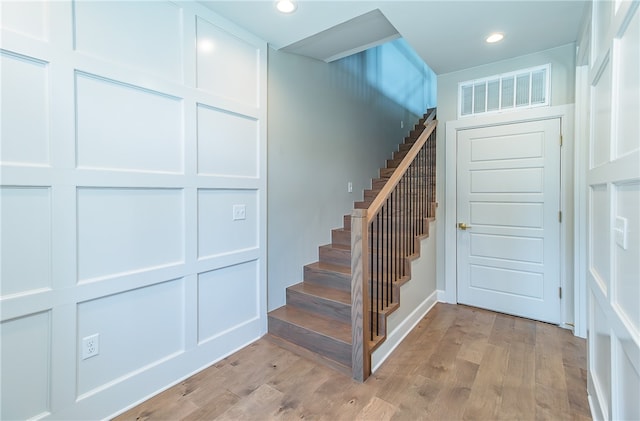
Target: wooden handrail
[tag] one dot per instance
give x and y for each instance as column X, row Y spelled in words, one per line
column 395, row 178
column 364, row 339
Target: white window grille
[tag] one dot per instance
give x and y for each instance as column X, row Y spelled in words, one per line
column 526, row 88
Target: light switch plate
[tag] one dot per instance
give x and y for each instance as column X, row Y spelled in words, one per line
column 239, row 212
column 620, row 232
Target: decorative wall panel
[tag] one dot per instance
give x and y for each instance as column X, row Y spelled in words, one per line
column 227, row 65
column 601, row 131
column 628, row 385
column 227, row 298
column 128, row 230
column 227, row 143
column 137, row 329
column 123, row 127
column 601, row 355
column 627, row 98
column 26, row 387
column 25, row 239
column 24, row 110
column 218, row 231
column 626, row 252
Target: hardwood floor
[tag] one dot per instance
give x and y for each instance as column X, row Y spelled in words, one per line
column 458, row 363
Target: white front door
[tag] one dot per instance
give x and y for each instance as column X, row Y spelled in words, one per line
column 508, row 202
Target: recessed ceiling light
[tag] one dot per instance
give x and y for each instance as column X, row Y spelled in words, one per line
column 495, row 37
column 286, row 6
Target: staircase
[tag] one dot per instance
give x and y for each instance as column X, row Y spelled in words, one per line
column 316, row 321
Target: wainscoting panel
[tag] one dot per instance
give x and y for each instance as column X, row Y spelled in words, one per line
column 25, row 239
column 227, row 143
column 220, row 231
column 26, row 388
column 125, row 230
column 626, row 287
column 227, row 65
column 123, row 127
column 227, row 298
column 25, row 86
column 599, row 235
column 150, row 329
column 627, row 63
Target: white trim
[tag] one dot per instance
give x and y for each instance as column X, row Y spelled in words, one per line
column 581, row 158
column 395, row 338
column 566, row 115
column 441, row 296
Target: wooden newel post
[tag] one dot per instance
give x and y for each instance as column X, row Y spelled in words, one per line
column 360, row 358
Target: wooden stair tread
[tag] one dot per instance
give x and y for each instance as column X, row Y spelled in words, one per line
column 326, row 293
column 316, row 323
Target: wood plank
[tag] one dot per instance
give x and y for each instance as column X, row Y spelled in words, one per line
column 518, row 393
column 486, row 392
column 377, row 409
column 451, row 402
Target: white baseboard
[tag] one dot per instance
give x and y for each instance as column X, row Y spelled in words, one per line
column 395, row 338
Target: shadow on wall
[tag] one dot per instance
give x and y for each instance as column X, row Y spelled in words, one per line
column 392, row 71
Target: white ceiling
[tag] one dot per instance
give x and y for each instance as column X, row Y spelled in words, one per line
column 448, row 34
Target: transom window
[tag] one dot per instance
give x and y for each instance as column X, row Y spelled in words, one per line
column 525, row 88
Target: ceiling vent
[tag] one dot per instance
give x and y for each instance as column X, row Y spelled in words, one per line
column 525, row 88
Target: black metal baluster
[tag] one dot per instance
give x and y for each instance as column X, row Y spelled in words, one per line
column 377, row 274
column 371, row 275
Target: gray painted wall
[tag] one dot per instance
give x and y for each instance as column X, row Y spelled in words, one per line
column 328, row 124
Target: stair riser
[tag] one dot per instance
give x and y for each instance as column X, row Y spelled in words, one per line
column 346, row 222
column 338, row 311
column 335, row 256
column 400, row 154
column 341, row 237
column 327, row 278
column 386, row 172
column 325, row 346
column 383, row 294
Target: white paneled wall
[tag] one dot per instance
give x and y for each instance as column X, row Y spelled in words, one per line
column 132, row 200
column 612, row 181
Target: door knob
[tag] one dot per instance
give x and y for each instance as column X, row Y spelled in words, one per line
column 463, row 226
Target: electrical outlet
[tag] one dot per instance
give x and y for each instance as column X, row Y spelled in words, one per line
column 90, row 346
column 239, row 212
column 349, row 187
column 402, row 124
